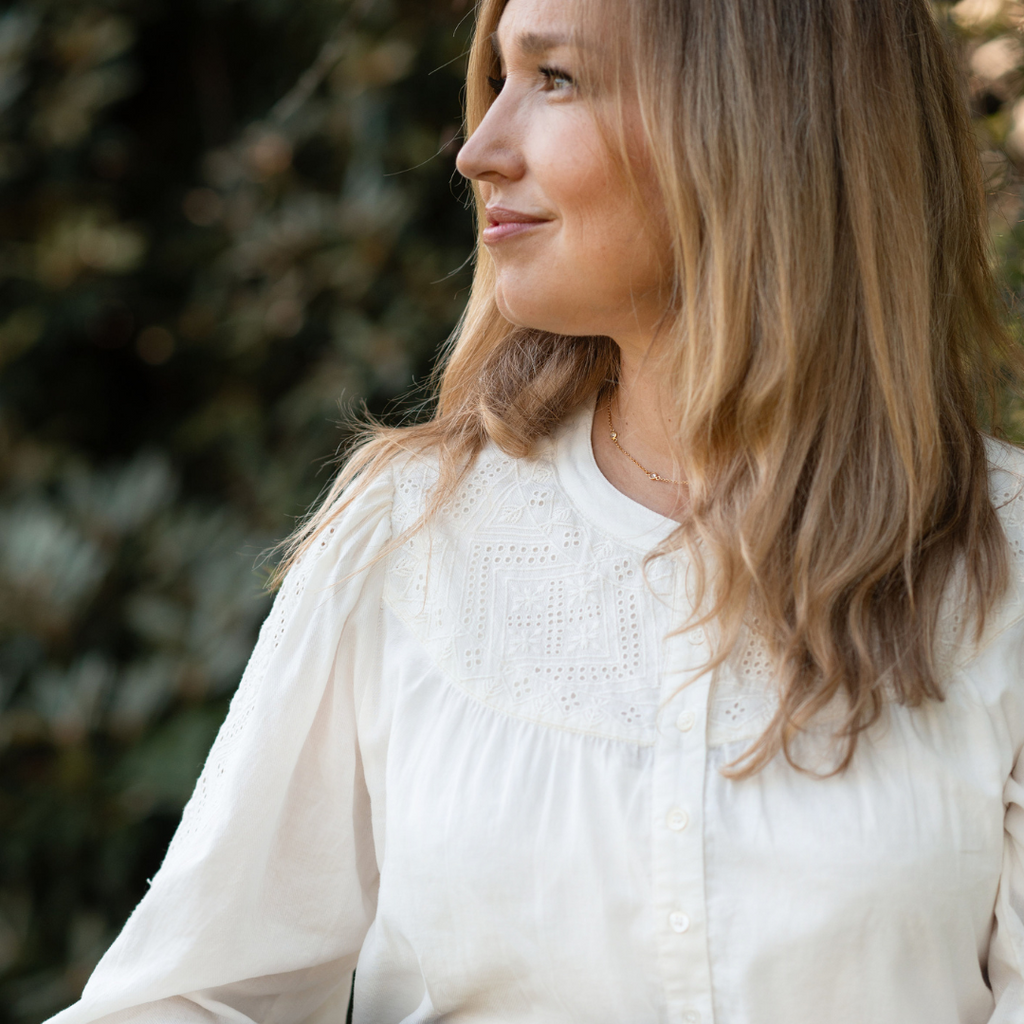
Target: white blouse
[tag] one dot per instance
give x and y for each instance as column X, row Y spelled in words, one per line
column 472, row 771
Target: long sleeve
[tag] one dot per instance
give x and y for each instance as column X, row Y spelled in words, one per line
column 269, row 885
column 1006, row 953
column 1006, row 948
column 489, row 768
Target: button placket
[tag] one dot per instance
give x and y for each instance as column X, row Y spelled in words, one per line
column 678, row 798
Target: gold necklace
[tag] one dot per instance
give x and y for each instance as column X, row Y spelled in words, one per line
column 615, row 440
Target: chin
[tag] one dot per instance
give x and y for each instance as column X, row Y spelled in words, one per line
column 531, row 314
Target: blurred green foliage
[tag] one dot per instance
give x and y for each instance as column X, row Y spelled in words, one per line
column 217, row 218
column 988, row 34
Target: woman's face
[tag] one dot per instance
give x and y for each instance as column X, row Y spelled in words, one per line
column 571, row 248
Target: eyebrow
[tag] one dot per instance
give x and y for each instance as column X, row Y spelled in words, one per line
column 531, row 43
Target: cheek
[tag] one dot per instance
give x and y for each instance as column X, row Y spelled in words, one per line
column 602, row 231
column 580, row 184
column 587, row 273
column 561, row 281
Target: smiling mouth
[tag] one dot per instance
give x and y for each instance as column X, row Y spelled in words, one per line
column 503, row 224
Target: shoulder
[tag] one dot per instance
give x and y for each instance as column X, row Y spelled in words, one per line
column 991, row 662
column 1006, row 489
column 348, row 536
column 490, row 480
column 1005, row 460
column 1006, row 486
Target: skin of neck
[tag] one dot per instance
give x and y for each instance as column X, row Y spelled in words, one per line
column 639, row 423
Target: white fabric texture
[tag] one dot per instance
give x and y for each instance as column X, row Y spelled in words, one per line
column 470, row 768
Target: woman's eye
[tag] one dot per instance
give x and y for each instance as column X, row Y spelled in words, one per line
column 496, row 84
column 558, row 80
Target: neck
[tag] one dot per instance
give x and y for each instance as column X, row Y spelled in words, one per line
column 637, row 414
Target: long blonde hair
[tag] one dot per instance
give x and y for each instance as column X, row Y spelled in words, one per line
column 832, row 331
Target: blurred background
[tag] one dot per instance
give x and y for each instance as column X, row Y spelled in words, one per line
column 218, row 219
column 222, row 222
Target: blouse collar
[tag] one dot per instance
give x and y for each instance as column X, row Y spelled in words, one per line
column 595, row 498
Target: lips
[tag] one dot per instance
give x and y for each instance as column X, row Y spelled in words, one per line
column 504, row 223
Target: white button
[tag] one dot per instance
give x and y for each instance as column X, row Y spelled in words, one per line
column 684, row 723
column 677, row 819
column 696, row 637
column 691, row 1017
column 679, row 921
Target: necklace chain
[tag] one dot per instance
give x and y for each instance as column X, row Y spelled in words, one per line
column 613, row 433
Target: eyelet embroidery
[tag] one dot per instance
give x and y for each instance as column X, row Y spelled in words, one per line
column 569, row 650
column 743, row 699
column 1008, row 498
column 522, row 607
column 532, row 611
column 207, row 801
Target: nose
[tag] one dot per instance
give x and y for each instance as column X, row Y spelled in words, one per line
column 493, row 153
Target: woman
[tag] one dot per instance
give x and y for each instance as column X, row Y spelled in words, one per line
column 672, row 671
